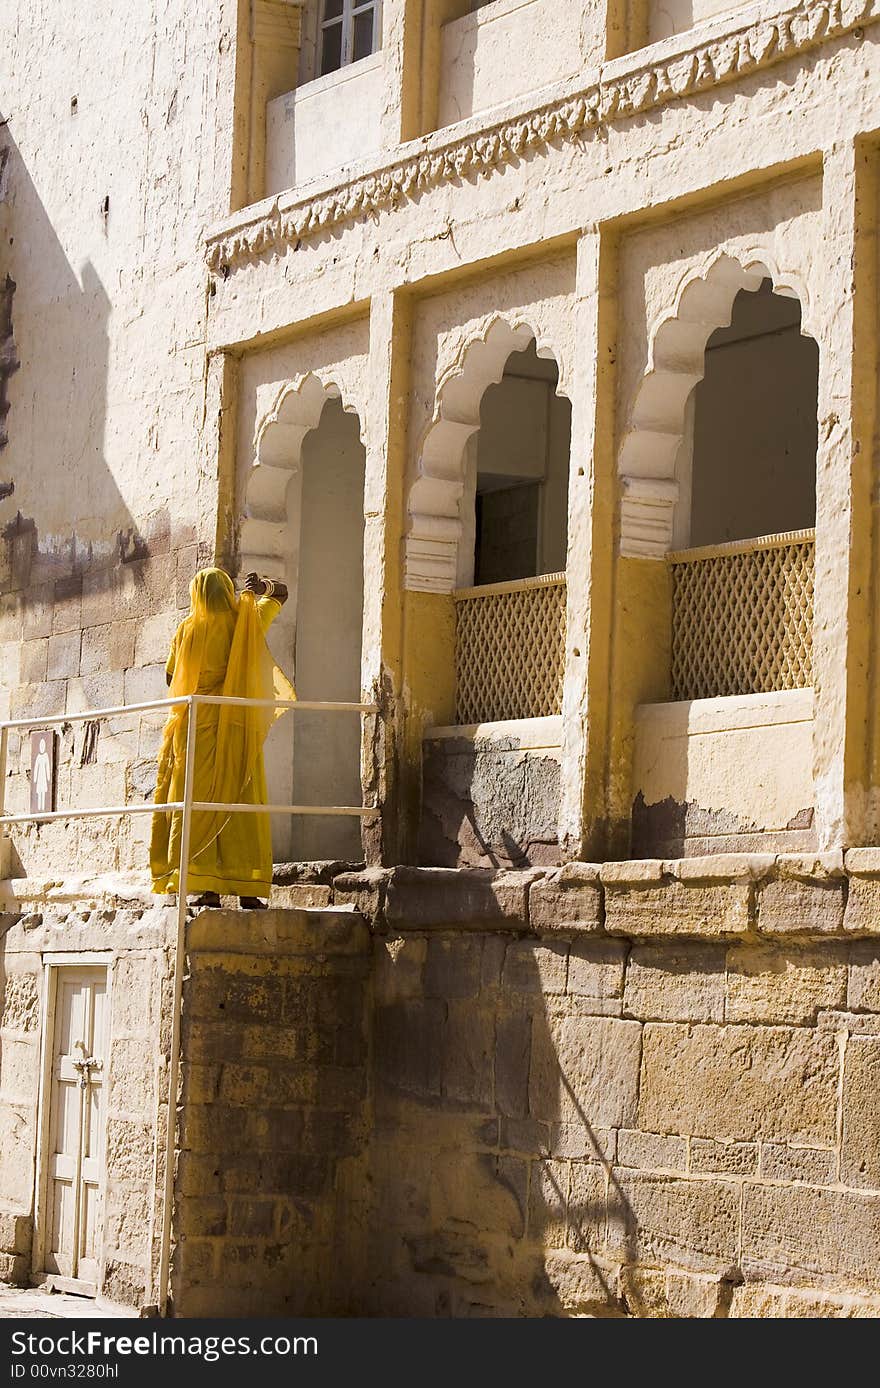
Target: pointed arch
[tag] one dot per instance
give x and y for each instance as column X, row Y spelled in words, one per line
column 676, row 362
column 264, row 539
column 433, row 525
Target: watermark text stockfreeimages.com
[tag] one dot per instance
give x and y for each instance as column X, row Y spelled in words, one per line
column 101, row 1344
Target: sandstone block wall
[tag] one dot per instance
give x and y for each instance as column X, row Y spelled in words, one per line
column 97, row 639
column 654, row 1095
column 133, row 941
column 641, row 1089
column 271, row 1180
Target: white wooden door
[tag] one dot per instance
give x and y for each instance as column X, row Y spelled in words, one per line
column 75, row 1167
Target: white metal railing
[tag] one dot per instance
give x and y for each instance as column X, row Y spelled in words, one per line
column 510, row 649
column 742, row 616
column 185, row 807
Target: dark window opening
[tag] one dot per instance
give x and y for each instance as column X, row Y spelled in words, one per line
column 349, row 32
column 755, row 430
column 520, row 486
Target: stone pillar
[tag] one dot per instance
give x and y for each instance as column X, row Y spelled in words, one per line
column 217, row 509
column 268, row 67
column 385, row 429
column 842, row 637
column 415, row 61
column 592, row 494
column 272, row 1149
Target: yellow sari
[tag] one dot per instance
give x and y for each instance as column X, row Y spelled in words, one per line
column 220, row 648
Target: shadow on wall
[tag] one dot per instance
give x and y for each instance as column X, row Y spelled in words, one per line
column 61, row 510
column 488, row 804
column 78, row 574
column 329, row 622
column 496, row 1096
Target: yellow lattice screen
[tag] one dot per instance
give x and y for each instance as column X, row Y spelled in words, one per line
column 742, row 617
column 510, row 649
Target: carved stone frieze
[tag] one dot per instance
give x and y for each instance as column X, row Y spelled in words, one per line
column 646, row 86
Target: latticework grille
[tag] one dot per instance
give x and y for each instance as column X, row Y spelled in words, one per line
column 510, row 649
column 742, row 617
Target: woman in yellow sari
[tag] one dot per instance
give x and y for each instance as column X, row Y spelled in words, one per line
column 220, row 648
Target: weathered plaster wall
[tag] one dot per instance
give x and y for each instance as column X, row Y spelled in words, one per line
column 112, row 168
column 491, row 794
column 689, row 791
column 42, row 924
column 323, row 125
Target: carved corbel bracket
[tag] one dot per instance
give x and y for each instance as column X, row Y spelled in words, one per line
column 646, row 512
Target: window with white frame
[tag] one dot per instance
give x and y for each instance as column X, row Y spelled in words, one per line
column 349, row 32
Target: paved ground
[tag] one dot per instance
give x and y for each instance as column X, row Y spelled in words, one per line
column 33, row 1304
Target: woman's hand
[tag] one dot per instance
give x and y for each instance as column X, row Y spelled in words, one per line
column 253, row 583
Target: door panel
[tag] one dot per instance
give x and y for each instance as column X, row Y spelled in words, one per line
column 75, row 1175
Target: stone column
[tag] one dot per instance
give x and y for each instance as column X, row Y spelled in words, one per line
column 385, row 430
column 398, row 23
column 275, row 27
column 216, row 501
column 842, row 640
column 423, row 21
column 582, row 821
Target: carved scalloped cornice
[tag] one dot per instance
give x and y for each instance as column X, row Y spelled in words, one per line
column 646, row 86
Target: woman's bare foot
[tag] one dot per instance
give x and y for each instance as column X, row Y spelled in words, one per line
column 251, row 903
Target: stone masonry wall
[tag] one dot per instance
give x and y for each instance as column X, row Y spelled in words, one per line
column 94, row 639
column 271, row 1180
column 134, row 940
column 645, row 1089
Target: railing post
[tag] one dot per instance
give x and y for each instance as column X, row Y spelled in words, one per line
column 4, row 836
column 179, row 956
column 4, row 749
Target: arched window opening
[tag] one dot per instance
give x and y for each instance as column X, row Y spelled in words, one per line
column 742, row 592
column 510, row 604
column 754, row 424
column 516, row 477
column 314, row 756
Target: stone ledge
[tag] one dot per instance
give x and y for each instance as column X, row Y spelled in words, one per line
column 635, row 872
column 807, row 867
column 338, row 930
column 431, row 898
column 862, row 862
column 793, row 896
column 701, row 910
column 568, row 901
column 62, row 927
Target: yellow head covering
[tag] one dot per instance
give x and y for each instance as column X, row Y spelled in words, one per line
column 251, row 673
